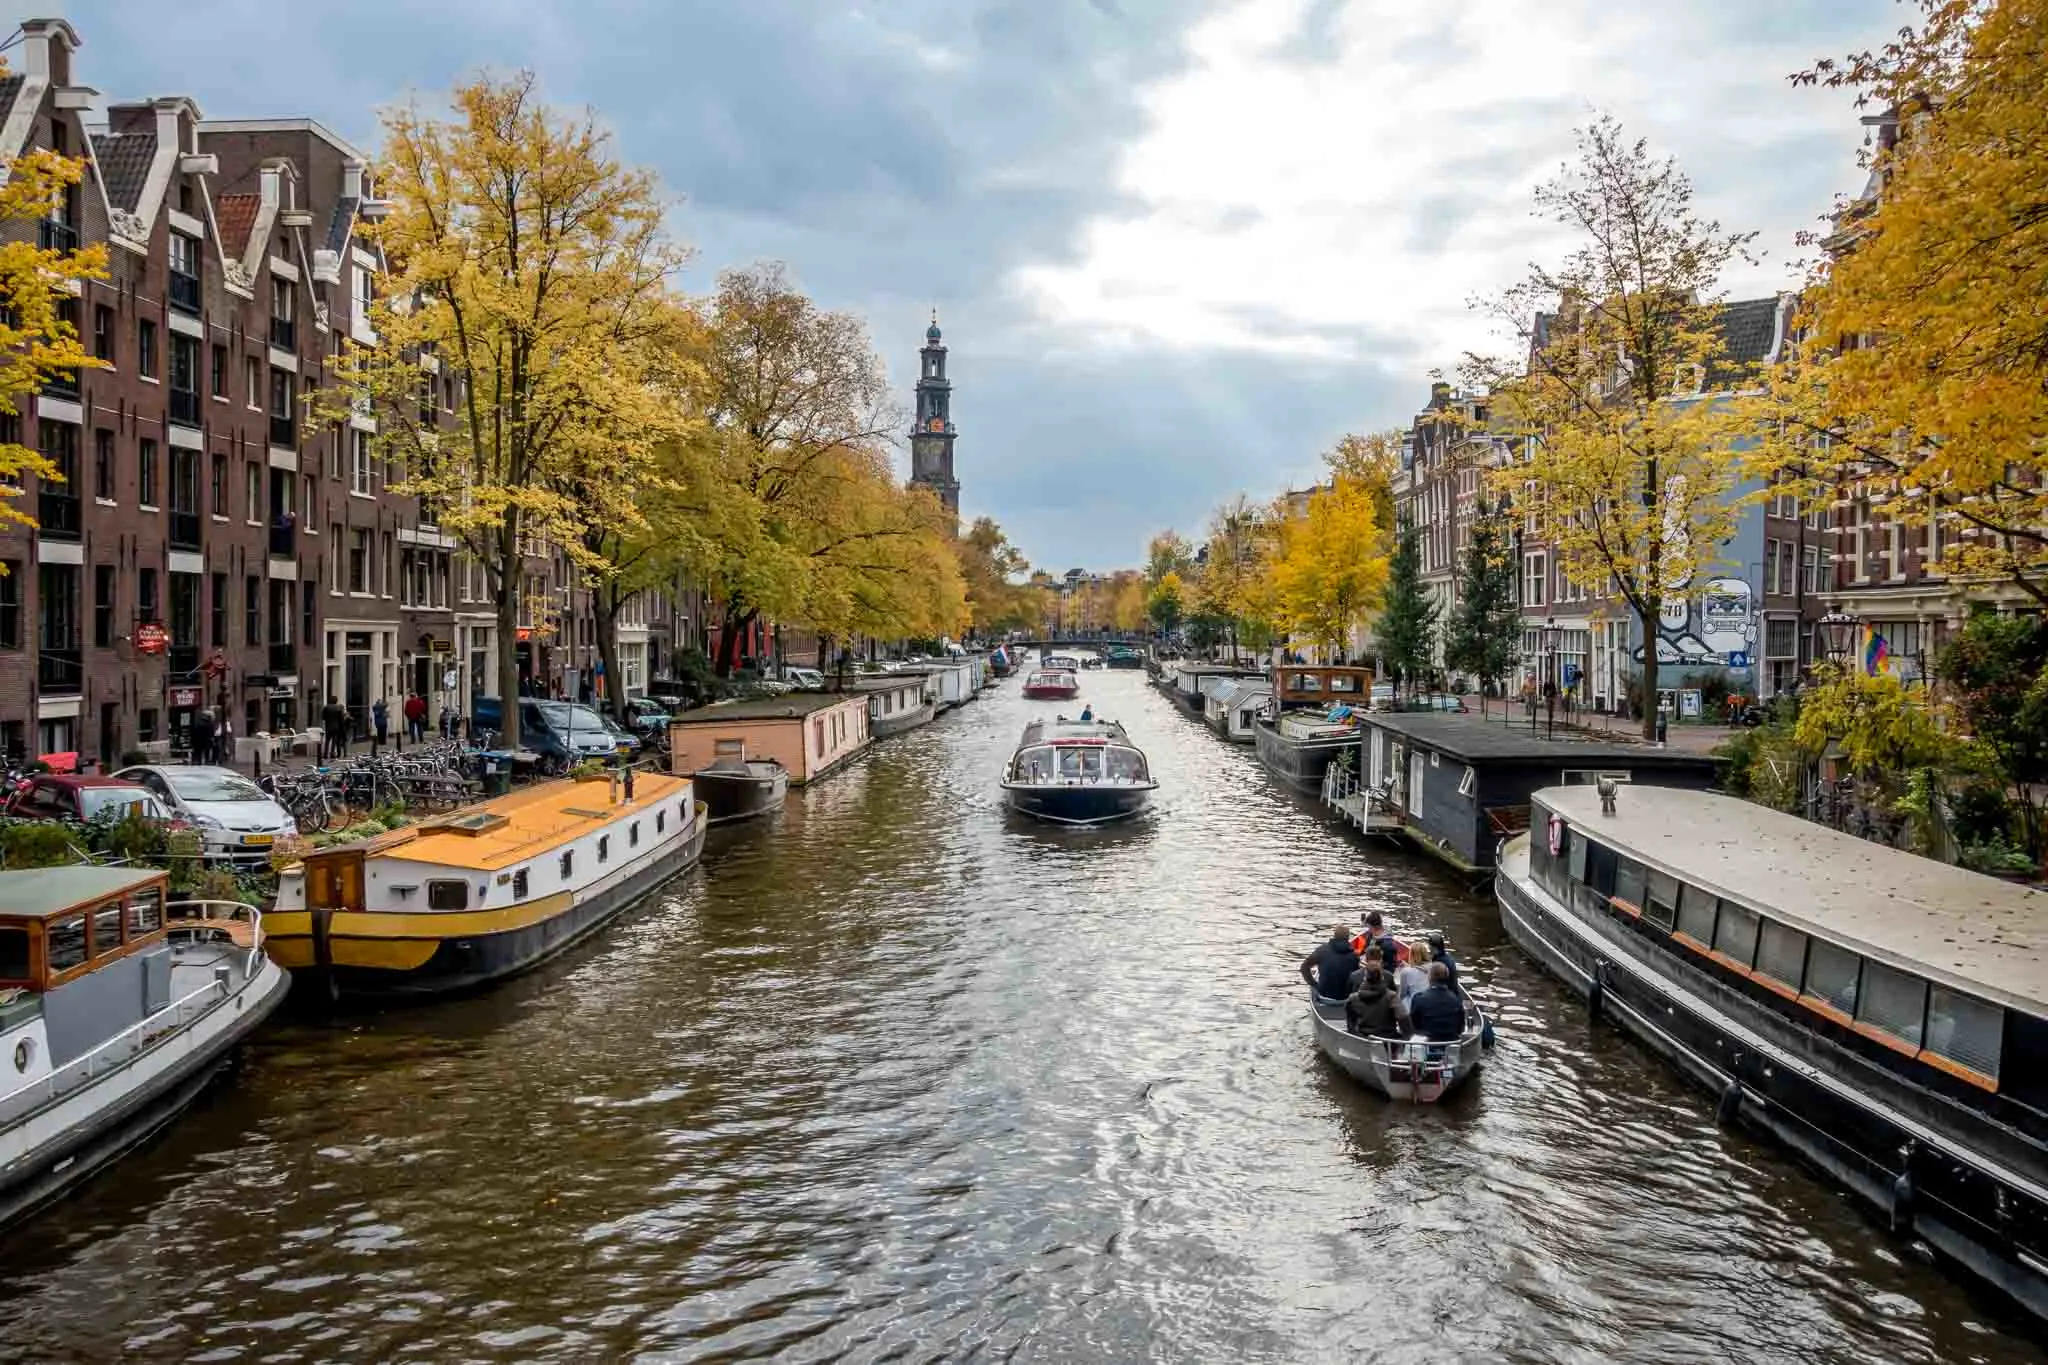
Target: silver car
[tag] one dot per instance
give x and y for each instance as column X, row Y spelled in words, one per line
column 234, row 817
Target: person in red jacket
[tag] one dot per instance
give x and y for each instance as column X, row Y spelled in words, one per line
column 415, row 716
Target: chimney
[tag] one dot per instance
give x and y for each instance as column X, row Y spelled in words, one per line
column 352, row 180
column 46, row 48
column 271, row 196
column 1439, row 394
column 167, row 133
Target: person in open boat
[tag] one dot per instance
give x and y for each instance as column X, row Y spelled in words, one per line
column 1329, row 968
column 1370, row 1010
column 1411, row 980
column 1438, row 1013
column 1439, row 953
column 1391, row 949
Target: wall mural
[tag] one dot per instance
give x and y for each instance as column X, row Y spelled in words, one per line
column 1715, row 629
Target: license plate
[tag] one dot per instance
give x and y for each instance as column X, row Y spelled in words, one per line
column 258, row 840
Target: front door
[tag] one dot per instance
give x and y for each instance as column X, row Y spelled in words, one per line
column 356, row 691
column 1415, row 769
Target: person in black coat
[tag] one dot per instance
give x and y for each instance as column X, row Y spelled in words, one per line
column 1439, row 953
column 1370, row 1010
column 1328, row 969
column 1437, row 1013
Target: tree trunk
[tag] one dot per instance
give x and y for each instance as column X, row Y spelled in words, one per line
column 730, row 627
column 605, row 605
column 1648, row 619
column 511, row 585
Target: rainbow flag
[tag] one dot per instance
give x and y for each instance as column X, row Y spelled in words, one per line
column 1876, row 652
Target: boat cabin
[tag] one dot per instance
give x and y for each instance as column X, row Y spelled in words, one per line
column 1234, row 706
column 948, row 682
column 1457, row 784
column 810, row 734
column 1933, row 973
column 896, row 702
column 1063, row 751
column 1299, row 685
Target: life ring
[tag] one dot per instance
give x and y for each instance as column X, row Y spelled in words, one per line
column 24, row 1053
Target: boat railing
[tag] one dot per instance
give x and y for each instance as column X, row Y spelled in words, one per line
column 116, row 1051
column 237, row 921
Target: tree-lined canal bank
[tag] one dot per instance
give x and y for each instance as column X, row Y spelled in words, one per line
column 899, row 1074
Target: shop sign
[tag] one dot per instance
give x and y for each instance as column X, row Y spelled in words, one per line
column 152, row 638
column 184, row 696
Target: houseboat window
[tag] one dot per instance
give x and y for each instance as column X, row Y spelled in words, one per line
column 1964, row 1029
column 106, row 929
column 519, row 884
column 660, row 821
column 633, row 835
column 1781, row 954
column 1660, row 903
column 1893, row 1003
column 447, row 895
column 1831, row 976
column 1343, row 682
column 1601, row 865
column 1735, row 934
column 13, row 954
column 1575, row 850
column 2026, row 1042
column 604, row 848
column 1628, row 882
column 145, row 912
column 568, row 863
column 66, row 940
column 1696, row 914
column 1469, row 781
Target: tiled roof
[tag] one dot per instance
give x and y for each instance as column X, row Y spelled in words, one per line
column 10, row 86
column 234, row 215
column 338, row 226
column 1748, row 327
column 124, row 160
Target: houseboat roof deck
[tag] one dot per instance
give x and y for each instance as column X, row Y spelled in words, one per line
column 1976, row 933
column 534, row 820
column 1471, row 737
column 44, row 892
column 788, row 706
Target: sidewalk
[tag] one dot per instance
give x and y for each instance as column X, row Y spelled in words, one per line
column 1692, row 737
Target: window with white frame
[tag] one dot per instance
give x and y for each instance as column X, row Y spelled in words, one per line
column 1535, row 575
column 1813, row 569
column 359, row 462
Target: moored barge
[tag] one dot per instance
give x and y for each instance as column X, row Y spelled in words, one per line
column 1883, row 1015
column 485, row 893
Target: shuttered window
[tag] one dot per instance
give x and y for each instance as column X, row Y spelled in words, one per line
column 1965, row 1030
column 1735, row 934
column 1661, row 908
column 1781, row 954
column 1696, row 914
column 1628, row 882
column 1831, row 975
column 1893, row 1003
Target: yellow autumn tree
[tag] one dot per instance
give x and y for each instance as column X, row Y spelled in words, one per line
column 530, row 267
column 39, row 338
column 990, row 567
column 1330, row 570
column 1923, row 384
column 1632, row 481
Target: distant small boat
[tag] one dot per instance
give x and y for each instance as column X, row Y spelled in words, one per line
column 1412, row 1069
column 1069, row 662
column 1052, row 684
column 1123, row 656
column 1077, row 772
column 735, row 787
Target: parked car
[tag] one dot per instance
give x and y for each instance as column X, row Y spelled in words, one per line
column 645, row 717
column 236, row 819
column 804, row 679
column 54, row 797
column 562, row 731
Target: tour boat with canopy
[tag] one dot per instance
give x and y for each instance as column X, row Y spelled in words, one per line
column 1052, row 684
column 1078, row 772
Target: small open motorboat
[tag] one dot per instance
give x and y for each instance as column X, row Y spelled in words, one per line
column 1066, row 663
column 1077, row 772
column 1412, row 1069
column 1052, row 684
column 735, row 787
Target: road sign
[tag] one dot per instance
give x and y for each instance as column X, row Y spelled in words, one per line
column 1738, row 659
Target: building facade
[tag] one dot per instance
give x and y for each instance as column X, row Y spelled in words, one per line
column 931, row 441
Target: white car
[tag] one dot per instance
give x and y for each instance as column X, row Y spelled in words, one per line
column 804, row 679
column 233, row 815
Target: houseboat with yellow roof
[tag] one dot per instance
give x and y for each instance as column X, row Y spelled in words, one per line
column 485, row 893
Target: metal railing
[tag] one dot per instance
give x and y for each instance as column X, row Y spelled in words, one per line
column 284, row 432
column 184, row 530
column 58, row 516
column 284, row 539
column 283, row 333
column 52, row 235
column 184, row 292
column 202, row 917
column 185, row 407
column 60, row 670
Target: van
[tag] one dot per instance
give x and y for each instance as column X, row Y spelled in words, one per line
column 564, row 730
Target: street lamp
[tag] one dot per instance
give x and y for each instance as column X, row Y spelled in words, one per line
column 1550, row 634
column 1837, row 632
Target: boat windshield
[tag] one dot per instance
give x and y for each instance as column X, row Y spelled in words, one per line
column 1080, row 765
column 1035, row 765
column 1126, row 765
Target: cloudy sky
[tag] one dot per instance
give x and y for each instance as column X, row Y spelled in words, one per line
column 1177, row 246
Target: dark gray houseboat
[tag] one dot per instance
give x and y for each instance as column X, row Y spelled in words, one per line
column 1458, row 784
column 1883, row 1015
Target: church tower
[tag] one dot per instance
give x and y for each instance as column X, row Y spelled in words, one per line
column 931, row 442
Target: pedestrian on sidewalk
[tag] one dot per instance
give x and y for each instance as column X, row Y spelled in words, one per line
column 202, row 736
column 333, row 731
column 416, row 717
column 380, row 722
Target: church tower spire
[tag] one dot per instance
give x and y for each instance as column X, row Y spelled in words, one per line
column 931, row 441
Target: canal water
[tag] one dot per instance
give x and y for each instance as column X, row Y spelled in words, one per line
column 896, row 1077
